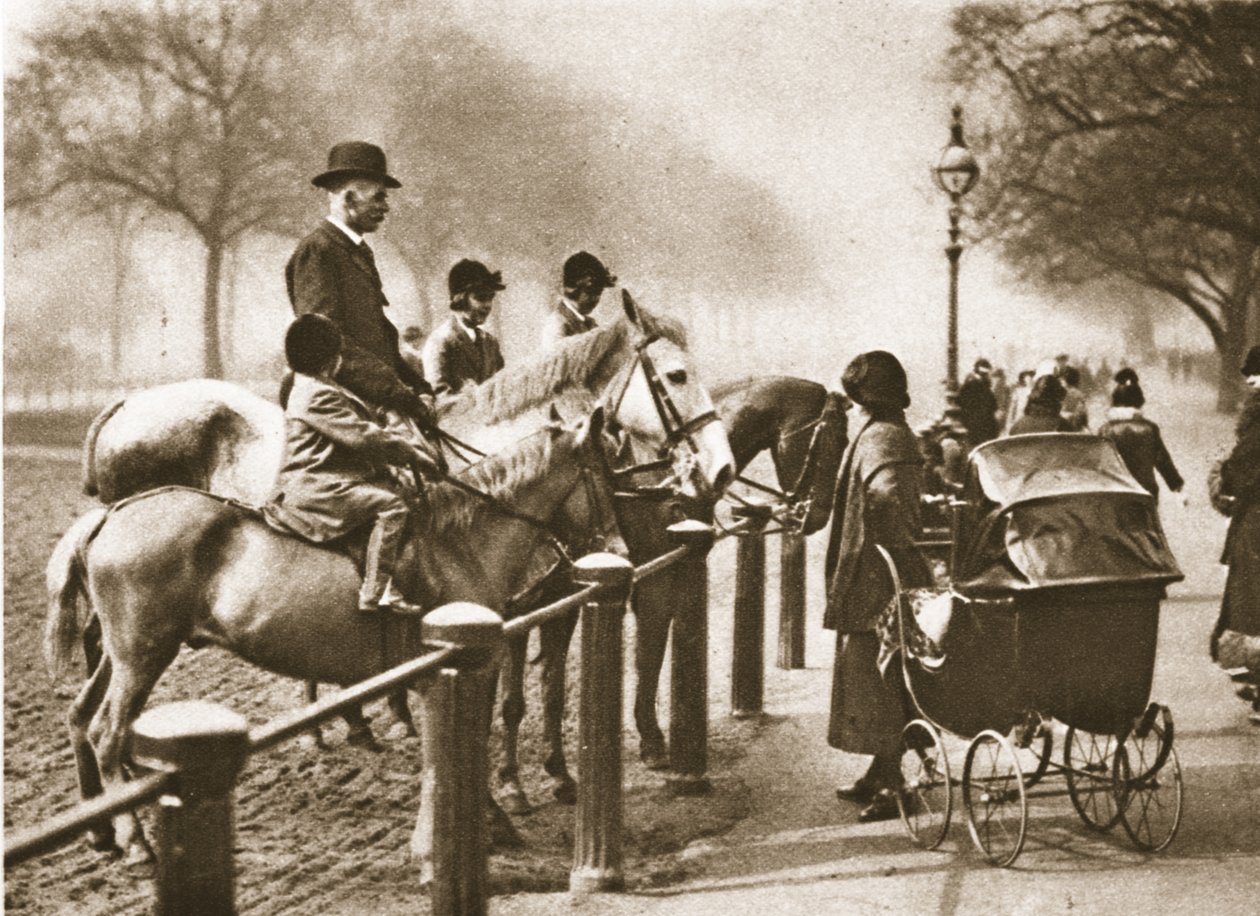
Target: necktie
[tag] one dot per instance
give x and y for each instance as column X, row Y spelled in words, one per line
column 366, row 250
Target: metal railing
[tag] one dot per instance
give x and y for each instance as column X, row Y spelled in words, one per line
column 197, row 749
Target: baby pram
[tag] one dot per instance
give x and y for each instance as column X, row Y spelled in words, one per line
column 1057, row 568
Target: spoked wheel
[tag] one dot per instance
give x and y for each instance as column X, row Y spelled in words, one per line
column 1149, row 773
column 926, row 803
column 1034, row 743
column 993, row 793
column 1150, row 741
column 1091, row 782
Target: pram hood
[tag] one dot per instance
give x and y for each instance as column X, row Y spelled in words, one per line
column 1054, row 510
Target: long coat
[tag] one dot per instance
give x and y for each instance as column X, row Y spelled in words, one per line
column 453, row 359
column 561, row 322
column 876, row 502
column 1240, row 478
column 334, row 479
column 330, row 275
column 978, row 406
column 1140, row 444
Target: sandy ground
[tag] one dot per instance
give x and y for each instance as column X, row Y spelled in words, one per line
column 326, row 831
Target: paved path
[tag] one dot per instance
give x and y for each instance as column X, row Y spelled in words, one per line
column 803, row 852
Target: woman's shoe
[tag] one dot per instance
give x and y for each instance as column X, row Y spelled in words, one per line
column 862, row 792
column 883, row 807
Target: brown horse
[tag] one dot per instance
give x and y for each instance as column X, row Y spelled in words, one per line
column 177, row 565
column 803, row 427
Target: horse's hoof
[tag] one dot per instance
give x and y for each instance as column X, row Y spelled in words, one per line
column 513, row 800
column 138, row 854
column 400, row 731
column 363, row 738
column 503, row 834
column 564, row 790
column 654, row 755
column 102, row 841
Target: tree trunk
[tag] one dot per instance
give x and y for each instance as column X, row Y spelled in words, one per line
column 212, row 366
column 1231, row 347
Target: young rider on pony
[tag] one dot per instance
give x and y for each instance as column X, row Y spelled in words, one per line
column 335, row 477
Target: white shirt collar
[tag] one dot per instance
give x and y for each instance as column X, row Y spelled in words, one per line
column 567, row 303
column 471, row 332
column 350, row 233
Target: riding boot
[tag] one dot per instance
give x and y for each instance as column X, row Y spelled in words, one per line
column 378, row 567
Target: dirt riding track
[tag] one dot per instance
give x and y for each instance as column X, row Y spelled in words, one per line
column 317, row 831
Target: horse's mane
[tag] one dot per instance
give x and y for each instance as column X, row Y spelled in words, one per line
column 452, row 510
column 571, row 363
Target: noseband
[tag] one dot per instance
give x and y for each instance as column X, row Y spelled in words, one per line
column 677, row 430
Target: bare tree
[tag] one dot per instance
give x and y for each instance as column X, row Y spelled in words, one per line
column 190, row 109
column 1122, row 139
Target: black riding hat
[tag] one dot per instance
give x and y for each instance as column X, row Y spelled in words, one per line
column 585, row 266
column 311, row 343
column 468, row 276
column 355, row 159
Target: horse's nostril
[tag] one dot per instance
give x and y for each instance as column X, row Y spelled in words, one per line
column 724, row 478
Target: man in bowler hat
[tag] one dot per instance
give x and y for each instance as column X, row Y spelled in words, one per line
column 333, row 273
column 460, row 351
column 584, row 278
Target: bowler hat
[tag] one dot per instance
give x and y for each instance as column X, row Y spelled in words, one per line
column 984, row 364
column 585, row 266
column 355, row 159
column 877, row 380
column 1251, row 365
column 311, row 343
column 1126, row 376
column 468, row 275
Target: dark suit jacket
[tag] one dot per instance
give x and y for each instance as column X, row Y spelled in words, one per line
column 452, row 359
column 328, row 274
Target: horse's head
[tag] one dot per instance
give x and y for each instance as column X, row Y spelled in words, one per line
column 665, row 415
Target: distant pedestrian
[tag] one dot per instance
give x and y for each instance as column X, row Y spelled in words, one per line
column 1042, row 414
column 1074, row 410
column 410, row 348
column 1018, row 398
column 1236, row 637
column 977, row 404
column 1136, row 438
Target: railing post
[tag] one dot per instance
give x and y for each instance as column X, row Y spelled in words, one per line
column 206, row 744
column 749, row 626
column 791, row 601
column 689, row 664
column 450, row 840
column 597, row 860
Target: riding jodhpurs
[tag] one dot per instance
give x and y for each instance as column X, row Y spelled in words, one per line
column 382, row 553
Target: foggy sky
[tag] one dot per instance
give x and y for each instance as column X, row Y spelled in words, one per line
column 833, row 106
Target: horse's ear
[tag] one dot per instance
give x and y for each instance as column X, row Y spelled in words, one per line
column 596, row 422
column 631, row 310
column 554, row 414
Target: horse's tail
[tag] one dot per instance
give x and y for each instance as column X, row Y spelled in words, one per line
column 90, row 486
column 66, row 584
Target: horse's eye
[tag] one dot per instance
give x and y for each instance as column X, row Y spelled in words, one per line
column 677, row 376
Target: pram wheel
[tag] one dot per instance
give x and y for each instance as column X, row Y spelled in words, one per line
column 927, row 802
column 1151, row 789
column 993, row 793
column 1089, row 762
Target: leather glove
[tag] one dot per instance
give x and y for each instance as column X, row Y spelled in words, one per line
column 415, row 406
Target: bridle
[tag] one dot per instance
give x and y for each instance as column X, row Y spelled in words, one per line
column 677, row 429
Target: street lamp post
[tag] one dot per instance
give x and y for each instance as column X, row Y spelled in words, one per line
column 956, row 174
